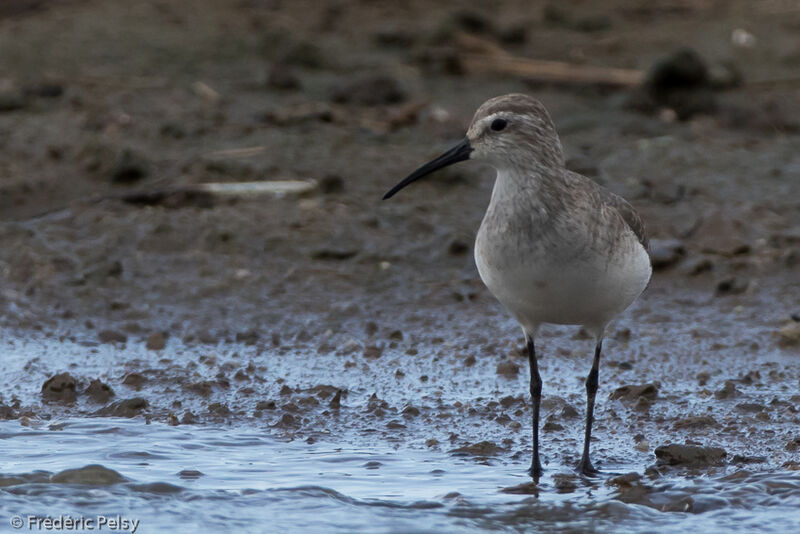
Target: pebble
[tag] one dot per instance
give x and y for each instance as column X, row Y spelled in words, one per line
column 60, row 387
column 482, row 448
column 156, row 341
column 377, row 90
column 693, row 455
column 12, row 101
column 125, row 408
column 665, row 253
column 698, row 421
column 731, row 286
column 99, row 392
column 727, row 391
column 128, row 168
column 90, row 475
column 111, row 336
column 789, row 334
column 507, row 369
column 281, row 76
column 633, row 392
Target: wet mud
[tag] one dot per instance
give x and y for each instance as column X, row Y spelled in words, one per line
column 352, row 337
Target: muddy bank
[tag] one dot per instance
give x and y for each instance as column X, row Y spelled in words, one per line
column 327, row 316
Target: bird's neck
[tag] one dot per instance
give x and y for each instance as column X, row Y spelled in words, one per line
column 535, row 188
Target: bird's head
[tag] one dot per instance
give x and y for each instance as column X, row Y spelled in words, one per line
column 507, row 131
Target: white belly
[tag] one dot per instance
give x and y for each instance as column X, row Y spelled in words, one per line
column 560, row 287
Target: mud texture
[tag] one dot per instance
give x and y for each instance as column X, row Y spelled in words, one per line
column 334, row 316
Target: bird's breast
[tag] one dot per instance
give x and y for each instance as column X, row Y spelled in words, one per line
column 546, row 274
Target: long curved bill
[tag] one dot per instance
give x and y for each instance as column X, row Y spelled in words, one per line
column 460, row 152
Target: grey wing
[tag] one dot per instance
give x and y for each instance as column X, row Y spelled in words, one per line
column 629, row 215
column 618, row 204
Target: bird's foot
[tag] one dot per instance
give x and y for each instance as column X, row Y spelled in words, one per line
column 586, row 468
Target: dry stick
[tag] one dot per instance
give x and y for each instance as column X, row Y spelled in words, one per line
column 552, row 71
column 479, row 55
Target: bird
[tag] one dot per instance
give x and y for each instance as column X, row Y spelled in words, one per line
column 554, row 247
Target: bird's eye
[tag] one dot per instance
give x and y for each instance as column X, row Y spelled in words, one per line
column 499, row 124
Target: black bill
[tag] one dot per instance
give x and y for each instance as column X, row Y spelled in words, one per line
column 460, row 152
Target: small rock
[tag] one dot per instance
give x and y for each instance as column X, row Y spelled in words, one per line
column 565, row 482
column 112, row 336
column 395, row 37
column 304, row 54
column 248, row 338
column 12, row 101
column 552, row 426
column 336, row 401
column 731, row 286
column 703, row 377
column 472, row 21
column 331, row 184
column 376, row 90
column 99, row 392
column 627, row 480
column 60, row 387
column 569, row 412
column 689, row 455
column 335, row 254
column 372, row 352
column 457, row 248
column 698, row 266
column 507, row 369
column 156, row 341
column 125, row 408
column 789, row 334
column 287, row 421
column 742, row 459
column 266, row 405
column 282, row 77
column 679, row 82
column 727, row 391
column 698, row 421
column 90, row 475
column 410, row 411
column 526, row 488
column 6, row 413
column 134, row 380
column 482, row 448
column 514, row 34
column 665, row 253
column 633, row 392
column 190, row 474
column 129, row 167
column 45, row 90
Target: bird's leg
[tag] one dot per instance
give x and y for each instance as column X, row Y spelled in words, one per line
column 536, row 395
column 586, row 466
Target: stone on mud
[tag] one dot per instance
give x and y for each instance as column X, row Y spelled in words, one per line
column 689, row 455
column 633, row 392
column 373, row 91
column 60, row 387
column 90, row 475
column 111, row 336
column 99, row 392
column 124, row 408
column 156, row 341
column 482, row 448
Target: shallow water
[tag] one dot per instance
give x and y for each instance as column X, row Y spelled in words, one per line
column 213, row 477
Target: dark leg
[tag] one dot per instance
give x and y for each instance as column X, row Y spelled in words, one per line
column 536, row 394
column 585, row 466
